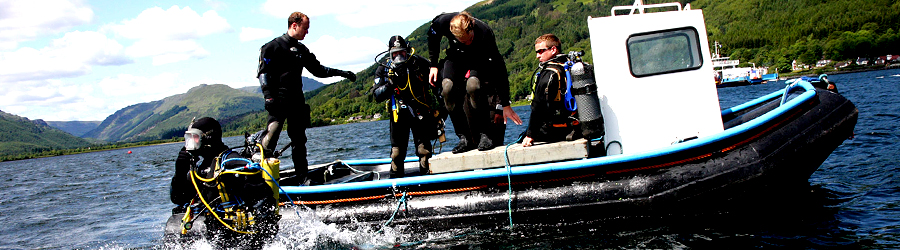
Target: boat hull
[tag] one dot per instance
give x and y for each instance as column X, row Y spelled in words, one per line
column 766, row 143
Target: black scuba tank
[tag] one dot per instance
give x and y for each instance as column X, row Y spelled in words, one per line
column 584, row 89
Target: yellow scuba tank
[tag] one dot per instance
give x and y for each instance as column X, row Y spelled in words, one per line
column 272, row 166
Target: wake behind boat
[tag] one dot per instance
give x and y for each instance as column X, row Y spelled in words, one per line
column 667, row 143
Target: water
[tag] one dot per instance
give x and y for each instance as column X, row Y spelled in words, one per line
column 116, row 200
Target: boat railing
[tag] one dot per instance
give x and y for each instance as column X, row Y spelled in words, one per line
column 641, row 7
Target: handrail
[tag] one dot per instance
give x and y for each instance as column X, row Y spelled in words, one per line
column 639, row 5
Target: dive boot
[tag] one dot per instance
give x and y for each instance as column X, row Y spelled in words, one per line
column 485, row 143
column 463, row 145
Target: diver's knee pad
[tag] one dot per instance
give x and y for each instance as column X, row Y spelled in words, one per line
column 270, row 140
column 473, row 84
column 397, row 157
column 473, row 89
column 423, row 150
column 447, row 85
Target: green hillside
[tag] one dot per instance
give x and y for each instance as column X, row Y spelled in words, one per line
column 515, row 23
column 770, row 33
column 773, row 33
column 169, row 117
column 19, row 135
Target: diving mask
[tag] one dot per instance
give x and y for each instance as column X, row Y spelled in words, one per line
column 193, row 138
column 398, row 59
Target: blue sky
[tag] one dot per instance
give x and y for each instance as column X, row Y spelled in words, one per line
column 74, row 60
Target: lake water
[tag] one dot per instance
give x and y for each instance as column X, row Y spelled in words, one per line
column 116, row 200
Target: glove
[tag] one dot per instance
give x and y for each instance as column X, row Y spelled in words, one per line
column 349, row 75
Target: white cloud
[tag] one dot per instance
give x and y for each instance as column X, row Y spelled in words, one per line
column 26, row 20
column 252, row 34
column 69, row 56
column 366, row 13
column 133, row 89
column 169, row 35
column 353, row 54
column 55, row 99
column 167, row 51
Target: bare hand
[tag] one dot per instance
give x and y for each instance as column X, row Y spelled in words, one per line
column 432, row 76
column 508, row 113
column 527, row 142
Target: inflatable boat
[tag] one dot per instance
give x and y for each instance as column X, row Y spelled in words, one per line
column 667, row 142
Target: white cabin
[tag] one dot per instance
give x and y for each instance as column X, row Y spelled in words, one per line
column 652, row 73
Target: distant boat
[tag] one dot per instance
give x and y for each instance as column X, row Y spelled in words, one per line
column 879, row 77
column 727, row 74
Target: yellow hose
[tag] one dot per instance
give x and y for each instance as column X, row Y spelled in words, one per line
column 194, row 181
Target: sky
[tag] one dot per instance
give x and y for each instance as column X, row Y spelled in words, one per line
column 82, row 60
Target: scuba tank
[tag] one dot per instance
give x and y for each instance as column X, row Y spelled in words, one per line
column 582, row 94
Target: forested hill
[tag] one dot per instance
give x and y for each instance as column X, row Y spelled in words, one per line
column 775, row 32
column 19, row 135
column 765, row 32
column 515, row 23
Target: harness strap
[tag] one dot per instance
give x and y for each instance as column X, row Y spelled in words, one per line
column 589, row 89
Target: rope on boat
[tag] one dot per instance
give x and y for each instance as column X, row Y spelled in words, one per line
column 375, row 197
column 509, row 179
column 399, row 203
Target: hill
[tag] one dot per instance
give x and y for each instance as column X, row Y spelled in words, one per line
column 769, row 33
column 168, row 118
column 774, row 33
column 76, row 128
column 516, row 23
column 19, row 135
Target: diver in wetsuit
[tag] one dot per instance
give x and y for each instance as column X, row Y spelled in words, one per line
column 203, row 143
column 281, row 63
column 550, row 120
column 412, row 101
column 250, row 195
column 474, row 80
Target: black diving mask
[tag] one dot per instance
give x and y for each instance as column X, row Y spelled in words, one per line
column 397, row 61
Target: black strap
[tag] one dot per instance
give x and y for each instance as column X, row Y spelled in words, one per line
column 589, row 89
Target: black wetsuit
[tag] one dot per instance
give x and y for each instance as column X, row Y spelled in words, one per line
column 281, row 63
column 550, row 121
column 480, row 59
column 252, row 190
column 413, row 100
column 182, row 189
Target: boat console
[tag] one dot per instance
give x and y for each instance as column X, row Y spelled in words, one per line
column 652, row 73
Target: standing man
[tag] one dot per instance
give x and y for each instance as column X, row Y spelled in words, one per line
column 471, row 74
column 281, row 62
column 550, row 120
column 414, row 106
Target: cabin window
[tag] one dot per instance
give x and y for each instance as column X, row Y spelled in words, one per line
column 665, row 51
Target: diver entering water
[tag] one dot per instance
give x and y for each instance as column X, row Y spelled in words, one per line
column 203, row 143
column 413, row 104
column 219, row 195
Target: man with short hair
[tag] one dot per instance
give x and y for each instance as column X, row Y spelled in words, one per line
column 550, row 120
column 472, row 73
column 281, row 63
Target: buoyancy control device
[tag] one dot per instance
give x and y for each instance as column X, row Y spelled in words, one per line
column 581, row 94
column 234, row 196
